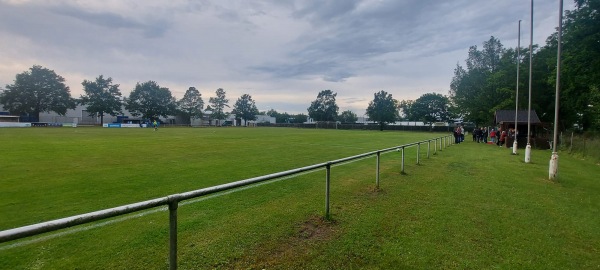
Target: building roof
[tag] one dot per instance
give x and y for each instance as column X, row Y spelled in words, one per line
column 509, row 116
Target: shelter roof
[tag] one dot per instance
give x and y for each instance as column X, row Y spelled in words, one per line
column 509, row 116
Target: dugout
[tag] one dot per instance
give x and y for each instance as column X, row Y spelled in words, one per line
column 505, row 119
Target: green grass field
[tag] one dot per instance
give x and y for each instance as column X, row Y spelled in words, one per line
column 470, row 206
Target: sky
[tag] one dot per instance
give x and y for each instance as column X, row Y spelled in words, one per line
column 282, row 53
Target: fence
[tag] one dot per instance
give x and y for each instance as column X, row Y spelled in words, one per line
column 584, row 145
column 334, row 125
column 172, row 201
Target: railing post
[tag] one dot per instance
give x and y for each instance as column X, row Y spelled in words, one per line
column 435, row 147
column 327, row 183
column 402, row 170
column 173, row 234
column 418, row 150
column 377, row 173
column 428, row 147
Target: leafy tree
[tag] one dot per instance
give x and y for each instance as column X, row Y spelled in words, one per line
column 580, row 79
column 487, row 84
column 191, row 104
column 298, row 118
column 431, row 107
column 383, row 109
column 245, row 108
column 35, row 91
column 218, row 105
column 150, row 101
column 101, row 97
column 405, row 110
column 324, row 107
column 348, row 117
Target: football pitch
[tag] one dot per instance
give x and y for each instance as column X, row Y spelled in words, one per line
column 458, row 209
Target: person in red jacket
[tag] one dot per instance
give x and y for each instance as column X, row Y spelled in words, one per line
column 502, row 137
column 493, row 135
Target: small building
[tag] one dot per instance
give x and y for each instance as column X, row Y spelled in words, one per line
column 505, row 120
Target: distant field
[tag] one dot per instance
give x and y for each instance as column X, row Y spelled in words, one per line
column 470, row 206
column 57, row 172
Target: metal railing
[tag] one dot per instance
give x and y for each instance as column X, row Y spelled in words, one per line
column 173, row 200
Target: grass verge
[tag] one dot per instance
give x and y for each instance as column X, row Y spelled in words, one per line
column 469, row 206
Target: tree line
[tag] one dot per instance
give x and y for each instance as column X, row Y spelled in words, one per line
column 41, row 90
column 488, row 82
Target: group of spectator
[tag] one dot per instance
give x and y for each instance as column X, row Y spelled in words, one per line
column 481, row 135
column 498, row 136
column 459, row 134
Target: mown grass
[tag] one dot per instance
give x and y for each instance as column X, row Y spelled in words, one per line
column 470, row 206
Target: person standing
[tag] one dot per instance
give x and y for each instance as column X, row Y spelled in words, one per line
column 155, row 125
column 503, row 137
column 485, row 135
column 498, row 134
column 493, row 135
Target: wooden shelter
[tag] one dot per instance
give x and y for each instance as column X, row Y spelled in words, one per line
column 505, row 120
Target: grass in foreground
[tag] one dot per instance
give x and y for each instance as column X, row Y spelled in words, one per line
column 470, row 206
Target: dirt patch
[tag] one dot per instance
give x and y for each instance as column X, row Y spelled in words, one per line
column 316, row 227
column 291, row 251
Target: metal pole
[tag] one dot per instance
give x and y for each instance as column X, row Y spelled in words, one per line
column 418, row 149
column 402, row 170
column 173, row 235
column 528, row 148
column 428, row 147
column 327, row 184
column 435, row 147
column 377, row 174
column 553, row 169
column 515, row 145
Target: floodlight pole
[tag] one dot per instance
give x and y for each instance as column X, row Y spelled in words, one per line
column 528, row 148
column 553, row 169
column 515, row 145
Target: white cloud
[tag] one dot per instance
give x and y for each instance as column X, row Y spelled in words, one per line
column 280, row 52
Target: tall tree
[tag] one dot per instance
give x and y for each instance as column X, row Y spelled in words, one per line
column 191, row 104
column 35, row 91
column 218, row 105
column 348, row 117
column 487, row 82
column 383, row 109
column 150, row 101
column 245, row 108
column 405, row 110
column 430, row 108
column 324, row 107
column 101, row 97
column 580, row 78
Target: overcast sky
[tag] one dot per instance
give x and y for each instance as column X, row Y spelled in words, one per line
column 280, row 52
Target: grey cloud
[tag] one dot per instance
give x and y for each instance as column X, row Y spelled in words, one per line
column 151, row 28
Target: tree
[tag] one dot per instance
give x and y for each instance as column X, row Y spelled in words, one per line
column 191, row 104
column 348, row 117
column 487, row 84
column 430, row 108
column 35, row 91
column 245, row 108
column 405, row 110
column 580, row 79
column 383, row 109
column 218, row 105
column 101, row 97
column 324, row 107
column 150, row 101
